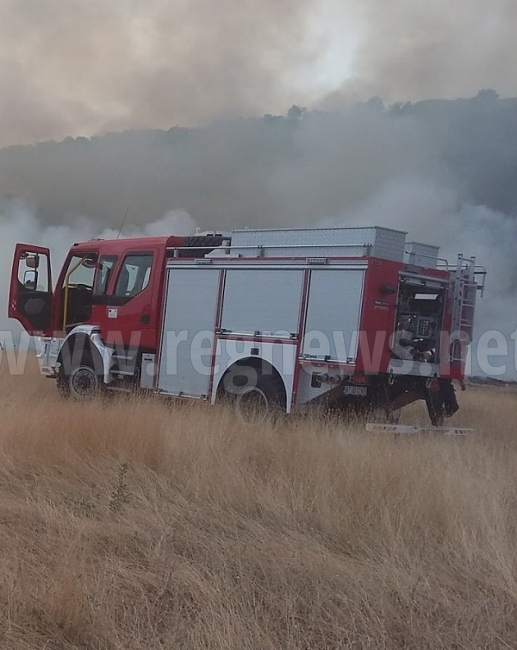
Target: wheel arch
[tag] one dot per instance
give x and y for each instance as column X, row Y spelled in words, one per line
column 86, row 341
column 258, row 364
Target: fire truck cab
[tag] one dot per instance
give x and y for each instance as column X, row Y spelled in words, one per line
column 292, row 319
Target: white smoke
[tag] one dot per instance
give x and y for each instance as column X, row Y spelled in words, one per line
column 19, row 223
column 434, row 215
column 175, row 222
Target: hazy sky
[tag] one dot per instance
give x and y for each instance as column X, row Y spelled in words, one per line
column 71, row 67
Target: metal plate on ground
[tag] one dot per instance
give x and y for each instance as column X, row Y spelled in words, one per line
column 405, row 429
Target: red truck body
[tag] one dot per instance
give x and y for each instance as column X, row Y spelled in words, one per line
column 396, row 320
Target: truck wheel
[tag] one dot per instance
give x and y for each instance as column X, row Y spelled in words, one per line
column 386, row 416
column 82, row 383
column 260, row 402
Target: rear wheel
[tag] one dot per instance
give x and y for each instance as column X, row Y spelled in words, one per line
column 385, row 415
column 261, row 401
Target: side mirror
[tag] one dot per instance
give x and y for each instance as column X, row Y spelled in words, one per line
column 32, row 261
column 89, row 262
column 30, row 280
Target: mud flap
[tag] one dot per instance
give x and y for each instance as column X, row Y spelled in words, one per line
column 450, row 403
column 434, row 403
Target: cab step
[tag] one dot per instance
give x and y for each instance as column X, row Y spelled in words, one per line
column 119, row 389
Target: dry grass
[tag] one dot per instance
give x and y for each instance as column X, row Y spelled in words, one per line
column 141, row 525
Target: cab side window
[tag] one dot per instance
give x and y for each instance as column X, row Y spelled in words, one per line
column 104, row 272
column 81, row 271
column 134, row 275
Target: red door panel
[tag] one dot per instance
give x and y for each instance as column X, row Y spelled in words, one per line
column 130, row 314
column 30, row 296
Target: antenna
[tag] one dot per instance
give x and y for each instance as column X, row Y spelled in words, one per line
column 123, row 221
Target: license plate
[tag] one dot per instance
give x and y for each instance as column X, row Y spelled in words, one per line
column 359, row 391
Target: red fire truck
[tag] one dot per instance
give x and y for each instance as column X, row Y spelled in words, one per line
column 286, row 319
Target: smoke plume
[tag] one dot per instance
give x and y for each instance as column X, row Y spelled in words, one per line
column 86, row 67
column 409, row 51
column 83, row 68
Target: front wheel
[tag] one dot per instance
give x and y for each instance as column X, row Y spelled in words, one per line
column 82, row 383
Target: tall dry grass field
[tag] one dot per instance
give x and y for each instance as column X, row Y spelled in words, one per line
column 143, row 525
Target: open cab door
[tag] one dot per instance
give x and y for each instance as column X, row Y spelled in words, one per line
column 30, row 297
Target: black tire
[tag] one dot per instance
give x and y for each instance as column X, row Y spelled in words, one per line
column 82, row 381
column 385, row 415
column 262, row 401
